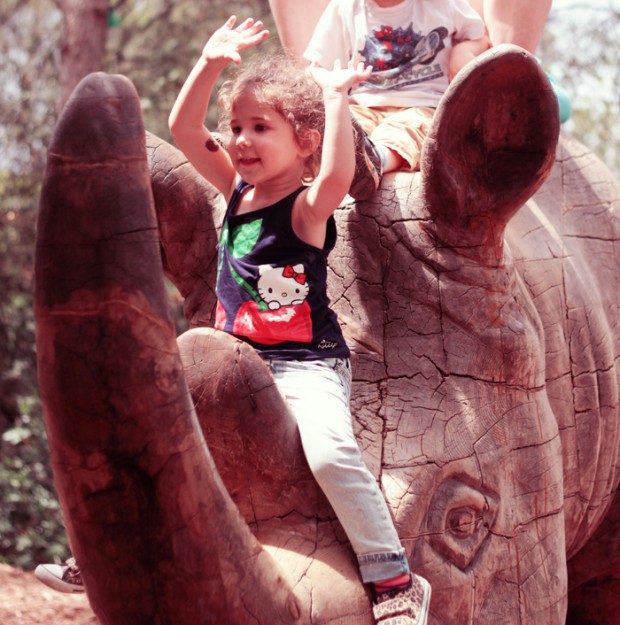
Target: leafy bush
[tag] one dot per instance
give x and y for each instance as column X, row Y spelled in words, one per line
column 31, row 525
column 31, row 529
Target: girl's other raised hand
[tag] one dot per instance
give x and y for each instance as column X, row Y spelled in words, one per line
column 226, row 43
column 339, row 79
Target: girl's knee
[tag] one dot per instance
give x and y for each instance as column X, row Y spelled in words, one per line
column 328, row 464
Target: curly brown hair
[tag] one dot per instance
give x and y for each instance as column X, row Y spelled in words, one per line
column 275, row 81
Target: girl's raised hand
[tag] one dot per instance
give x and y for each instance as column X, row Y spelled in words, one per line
column 226, row 43
column 339, row 79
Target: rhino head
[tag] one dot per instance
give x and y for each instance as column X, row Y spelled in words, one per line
column 484, row 337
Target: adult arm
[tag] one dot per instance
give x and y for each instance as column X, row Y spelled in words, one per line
column 296, row 21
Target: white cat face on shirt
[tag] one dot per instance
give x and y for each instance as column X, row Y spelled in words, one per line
column 282, row 286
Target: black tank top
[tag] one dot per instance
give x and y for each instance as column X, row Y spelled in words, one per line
column 271, row 285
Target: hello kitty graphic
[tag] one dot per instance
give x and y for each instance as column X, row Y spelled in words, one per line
column 282, row 312
column 282, row 286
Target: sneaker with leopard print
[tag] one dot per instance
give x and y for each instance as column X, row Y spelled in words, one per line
column 408, row 606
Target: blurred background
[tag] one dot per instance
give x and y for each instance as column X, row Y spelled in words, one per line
column 46, row 46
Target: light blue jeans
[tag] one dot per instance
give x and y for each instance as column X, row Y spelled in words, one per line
column 318, row 392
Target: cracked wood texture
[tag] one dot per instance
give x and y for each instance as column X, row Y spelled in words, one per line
column 484, row 330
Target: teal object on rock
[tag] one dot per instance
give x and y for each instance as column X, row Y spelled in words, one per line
column 563, row 99
column 562, row 96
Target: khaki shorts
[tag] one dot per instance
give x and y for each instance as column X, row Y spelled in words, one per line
column 400, row 129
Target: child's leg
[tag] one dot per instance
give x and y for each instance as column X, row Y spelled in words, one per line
column 520, row 21
column 318, row 393
column 402, row 133
column 368, row 165
column 295, row 22
column 371, row 159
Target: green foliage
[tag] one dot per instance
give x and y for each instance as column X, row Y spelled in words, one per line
column 31, row 526
column 579, row 48
column 29, row 43
column 17, row 355
column 156, row 44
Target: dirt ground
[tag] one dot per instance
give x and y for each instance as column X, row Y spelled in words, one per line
column 25, row 601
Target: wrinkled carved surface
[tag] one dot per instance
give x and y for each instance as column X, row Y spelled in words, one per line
column 485, row 339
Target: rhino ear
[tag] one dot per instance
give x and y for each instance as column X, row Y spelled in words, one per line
column 491, row 145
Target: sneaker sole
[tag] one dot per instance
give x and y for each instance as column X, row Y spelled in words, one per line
column 49, row 579
column 426, row 600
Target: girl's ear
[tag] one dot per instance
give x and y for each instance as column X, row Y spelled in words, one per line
column 309, row 142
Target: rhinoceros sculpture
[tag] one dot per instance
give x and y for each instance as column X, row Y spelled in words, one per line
column 485, row 332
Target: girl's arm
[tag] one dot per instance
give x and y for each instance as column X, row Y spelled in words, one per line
column 338, row 157
column 187, row 117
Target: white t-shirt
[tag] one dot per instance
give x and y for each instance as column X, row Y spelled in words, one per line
column 408, row 46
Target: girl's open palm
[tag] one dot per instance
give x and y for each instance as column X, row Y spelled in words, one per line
column 340, row 78
column 226, row 43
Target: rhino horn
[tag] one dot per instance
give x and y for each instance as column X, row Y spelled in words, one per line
column 148, row 518
column 491, row 146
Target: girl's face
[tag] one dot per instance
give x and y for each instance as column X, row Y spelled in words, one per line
column 263, row 146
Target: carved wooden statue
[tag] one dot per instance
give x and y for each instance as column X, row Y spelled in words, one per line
column 486, row 336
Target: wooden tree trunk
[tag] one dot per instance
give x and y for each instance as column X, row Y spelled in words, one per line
column 82, row 45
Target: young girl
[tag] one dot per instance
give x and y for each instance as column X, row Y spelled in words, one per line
column 271, row 285
column 287, row 129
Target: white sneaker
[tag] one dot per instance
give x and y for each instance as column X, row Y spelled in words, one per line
column 61, row 577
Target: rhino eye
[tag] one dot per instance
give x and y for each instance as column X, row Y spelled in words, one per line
column 463, row 522
column 460, row 520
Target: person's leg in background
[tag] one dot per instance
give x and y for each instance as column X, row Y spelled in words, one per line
column 295, row 22
column 521, row 22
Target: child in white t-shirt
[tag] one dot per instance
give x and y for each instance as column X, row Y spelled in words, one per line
column 415, row 48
